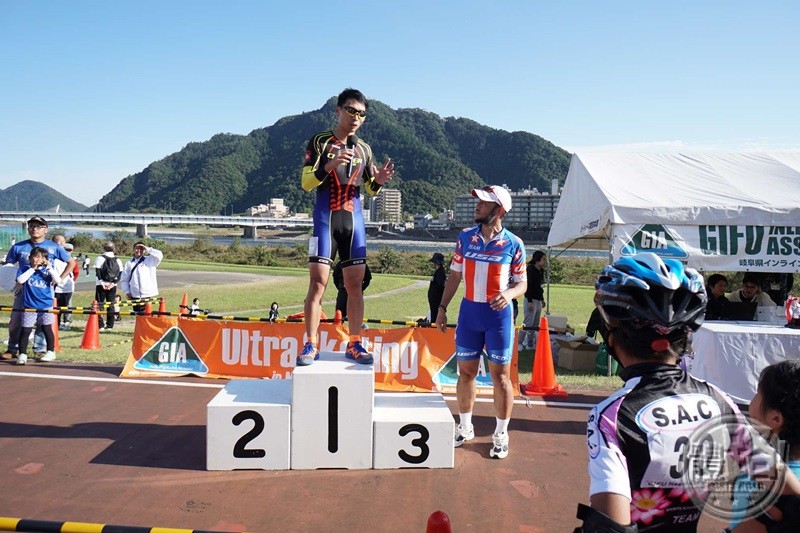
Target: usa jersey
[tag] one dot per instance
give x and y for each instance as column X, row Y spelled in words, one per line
column 487, row 267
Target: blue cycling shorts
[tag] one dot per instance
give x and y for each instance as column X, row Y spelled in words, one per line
column 479, row 327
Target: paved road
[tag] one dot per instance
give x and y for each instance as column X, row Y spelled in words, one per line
column 168, row 279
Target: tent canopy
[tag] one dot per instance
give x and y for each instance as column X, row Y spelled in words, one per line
column 730, row 211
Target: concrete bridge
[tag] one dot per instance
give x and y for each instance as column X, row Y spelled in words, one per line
column 142, row 220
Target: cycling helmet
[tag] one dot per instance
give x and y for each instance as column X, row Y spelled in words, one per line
column 651, row 296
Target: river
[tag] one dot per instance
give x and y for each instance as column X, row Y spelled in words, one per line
column 185, row 237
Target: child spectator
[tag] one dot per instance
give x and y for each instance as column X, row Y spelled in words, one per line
column 37, row 293
column 194, row 309
column 273, row 311
column 776, row 405
column 117, row 302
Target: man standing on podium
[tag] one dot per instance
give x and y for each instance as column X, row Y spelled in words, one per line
column 491, row 260
column 336, row 163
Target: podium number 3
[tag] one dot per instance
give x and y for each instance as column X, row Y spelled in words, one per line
column 240, row 449
column 421, row 442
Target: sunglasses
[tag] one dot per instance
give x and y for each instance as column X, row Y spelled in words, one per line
column 353, row 112
column 35, row 227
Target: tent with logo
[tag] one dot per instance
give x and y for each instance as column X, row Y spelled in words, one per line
column 714, row 211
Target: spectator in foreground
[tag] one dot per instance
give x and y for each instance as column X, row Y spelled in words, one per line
column 18, row 254
column 650, row 306
column 37, row 281
column 776, row 405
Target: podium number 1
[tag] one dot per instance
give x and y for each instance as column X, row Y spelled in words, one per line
column 333, row 419
column 240, row 449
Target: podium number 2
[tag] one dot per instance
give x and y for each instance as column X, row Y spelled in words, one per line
column 240, row 449
column 421, row 442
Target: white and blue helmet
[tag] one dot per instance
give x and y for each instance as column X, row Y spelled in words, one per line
column 644, row 292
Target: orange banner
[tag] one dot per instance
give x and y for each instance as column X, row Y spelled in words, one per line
column 406, row 359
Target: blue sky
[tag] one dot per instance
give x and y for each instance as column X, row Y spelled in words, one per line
column 91, row 91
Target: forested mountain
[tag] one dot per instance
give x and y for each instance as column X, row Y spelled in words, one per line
column 435, row 158
column 31, row 195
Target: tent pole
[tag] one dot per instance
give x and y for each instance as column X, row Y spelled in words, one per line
column 547, row 274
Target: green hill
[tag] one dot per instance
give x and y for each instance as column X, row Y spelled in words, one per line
column 436, row 159
column 31, row 195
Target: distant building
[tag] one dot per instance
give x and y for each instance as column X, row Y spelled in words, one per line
column 531, row 209
column 275, row 209
column 426, row 220
column 388, row 206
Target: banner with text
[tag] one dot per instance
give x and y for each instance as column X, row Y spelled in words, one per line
column 406, row 359
column 715, row 248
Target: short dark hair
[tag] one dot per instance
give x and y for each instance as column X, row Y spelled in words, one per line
column 137, row 243
column 713, row 279
column 352, row 94
column 537, row 256
column 38, row 250
column 751, row 277
column 779, row 385
column 638, row 343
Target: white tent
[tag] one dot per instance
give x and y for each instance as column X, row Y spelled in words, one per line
column 730, row 212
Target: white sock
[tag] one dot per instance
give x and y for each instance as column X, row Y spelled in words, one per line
column 502, row 426
column 465, row 419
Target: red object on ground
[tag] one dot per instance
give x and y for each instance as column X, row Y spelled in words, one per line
column 162, row 305
column 184, row 308
column 337, row 317
column 438, row 522
column 543, row 376
column 91, row 335
column 148, row 309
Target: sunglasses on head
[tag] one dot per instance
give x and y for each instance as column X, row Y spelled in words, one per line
column 353, row 112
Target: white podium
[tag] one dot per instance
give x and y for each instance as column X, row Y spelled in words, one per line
column 327, row 416
column 413, row 430
column 332, row 412
column 247, row 426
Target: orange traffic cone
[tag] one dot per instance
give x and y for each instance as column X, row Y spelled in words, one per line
column 438, row 522
column 54, row 325
column 162, row 305
column 337, row 317
column 543, row 376
column 148, row 309
column 184, row 309
column 91, row 335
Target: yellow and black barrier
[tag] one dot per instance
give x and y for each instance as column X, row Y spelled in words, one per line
column 231, row 318
column 45, row 526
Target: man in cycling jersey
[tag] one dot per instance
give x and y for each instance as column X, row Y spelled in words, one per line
column 642, row 440
column 336, row 164
column 491, row 260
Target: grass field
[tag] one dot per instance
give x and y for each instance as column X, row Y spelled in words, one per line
column 389, row 297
